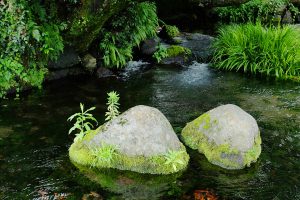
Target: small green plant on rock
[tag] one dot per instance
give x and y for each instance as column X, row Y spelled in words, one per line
column 174, row 158
column 83, row 122
column 104, row 155
column 112, row 105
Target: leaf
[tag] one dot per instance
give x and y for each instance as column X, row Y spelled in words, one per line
column 87, row 127
column 90, row 109
column 81, row 107
column 72, row 116
column 72, row 129
column 36, row 35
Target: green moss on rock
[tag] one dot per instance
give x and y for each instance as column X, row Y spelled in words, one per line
column 223, row 155
column 79, row 153
column 172, row 31
column 176, row 50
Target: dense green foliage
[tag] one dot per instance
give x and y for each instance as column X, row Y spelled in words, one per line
column 83, row 122
column 273, row 51
column 160, row 53
column 265, row 11
column 29, row 38
column 127, row 30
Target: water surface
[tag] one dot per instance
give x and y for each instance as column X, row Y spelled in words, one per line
column 34, row 142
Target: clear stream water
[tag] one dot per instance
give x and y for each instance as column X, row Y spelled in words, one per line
column 34, row 142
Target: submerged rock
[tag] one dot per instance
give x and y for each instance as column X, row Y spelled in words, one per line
column 103, row 72
column 140, row 140
column 227, row 135
column 200, row 45
column 89, row 62
column 68, row 59
column 149, row 46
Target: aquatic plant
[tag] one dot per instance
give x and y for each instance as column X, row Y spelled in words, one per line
column 252, row 48
column 112, row 105
column 83, row 122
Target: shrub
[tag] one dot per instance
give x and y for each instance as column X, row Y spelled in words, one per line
column 273, row 51
column 138, row 23
column 29, row 38
column 255, row 10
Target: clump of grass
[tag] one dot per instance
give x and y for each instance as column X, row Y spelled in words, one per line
column 103, row 155
column 252, row 48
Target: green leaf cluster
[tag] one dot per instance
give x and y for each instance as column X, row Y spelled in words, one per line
column 252, row 48
column 126, row 31
column 262, row 10
column 174, row 158
column 104, row 155
column 112, row 106
column 160, row 53
column 83, row 122
column 29, row 38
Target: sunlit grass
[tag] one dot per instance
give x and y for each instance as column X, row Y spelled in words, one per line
column 252, row 48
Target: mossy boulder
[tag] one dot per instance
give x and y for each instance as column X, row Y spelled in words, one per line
column 178, row 55
column 141, row 140
column 227, row 135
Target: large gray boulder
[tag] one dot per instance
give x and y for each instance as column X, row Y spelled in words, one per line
column 141, row 139
column 227, row 136
column 140, row 131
